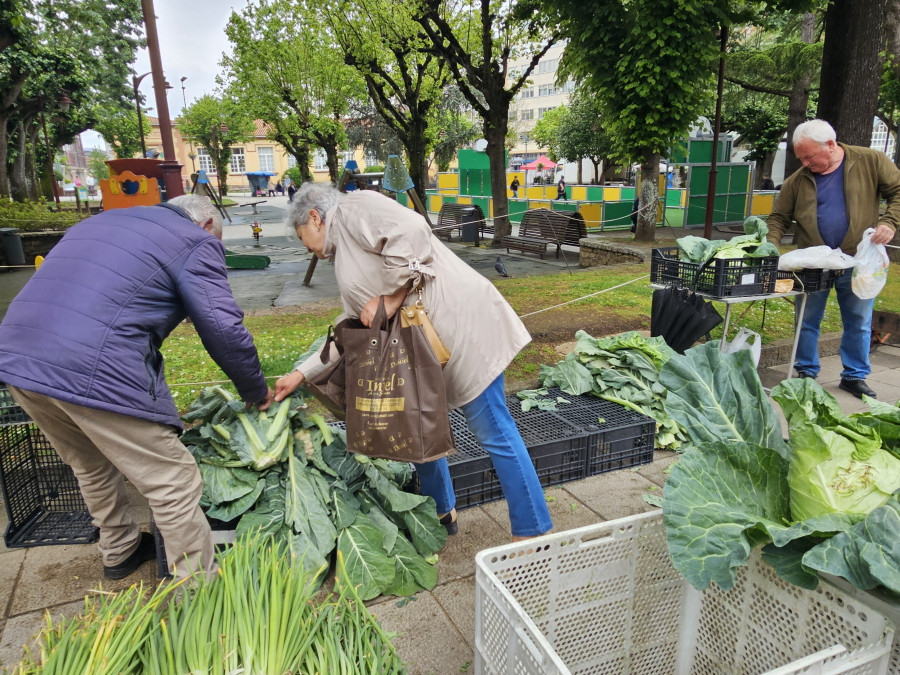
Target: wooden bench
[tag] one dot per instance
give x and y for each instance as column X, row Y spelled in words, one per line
column 542, row 227
column 450, row 218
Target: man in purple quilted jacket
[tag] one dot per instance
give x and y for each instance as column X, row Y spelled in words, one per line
column 79, row 349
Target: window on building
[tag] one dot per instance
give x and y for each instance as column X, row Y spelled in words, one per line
column 548, row 66
column 546, row 90
column 513, row 115
column 544, row 111
column 528, row 114
column 568, row 87
column 292, row 161
column 370, row 159
column 882, row 139
column 527, row 93
column 238, row 161
column 321, row 161
column 266, row 159
column 205, row 161
column 344, row 157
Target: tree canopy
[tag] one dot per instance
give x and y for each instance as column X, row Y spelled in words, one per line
column 78, row 50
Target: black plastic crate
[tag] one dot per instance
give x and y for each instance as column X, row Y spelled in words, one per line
column 567, row 444
column 719, row 277
column 222, row 538
column 811, row 280
column 10, row 412
column 43, row 502
column 624, row 438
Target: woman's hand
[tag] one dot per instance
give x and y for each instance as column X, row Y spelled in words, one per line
column 391, row 304
column 286, row 385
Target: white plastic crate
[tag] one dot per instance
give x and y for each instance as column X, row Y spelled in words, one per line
column 605, row 599
column 881, row 602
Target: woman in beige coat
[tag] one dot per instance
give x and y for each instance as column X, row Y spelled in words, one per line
column 381, row 248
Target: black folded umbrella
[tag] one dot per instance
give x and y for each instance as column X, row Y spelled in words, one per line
column 681, row 317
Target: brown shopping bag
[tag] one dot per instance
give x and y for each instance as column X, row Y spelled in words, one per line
column 396, row 402
column 329, row 385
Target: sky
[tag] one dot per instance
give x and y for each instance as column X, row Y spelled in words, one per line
column 191, row 42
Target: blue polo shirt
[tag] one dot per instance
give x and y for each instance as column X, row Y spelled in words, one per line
column 831, row 207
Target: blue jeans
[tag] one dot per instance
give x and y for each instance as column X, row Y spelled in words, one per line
column 856, row 315
column 489, row 419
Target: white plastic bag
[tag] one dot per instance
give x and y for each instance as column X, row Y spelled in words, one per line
column 745, row 339
column 815, row 257
column 870, row 273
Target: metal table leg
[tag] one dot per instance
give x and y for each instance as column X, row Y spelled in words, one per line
column 725, row 325
column 800, row 307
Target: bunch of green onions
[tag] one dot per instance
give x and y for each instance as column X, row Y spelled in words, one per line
column 261, row 615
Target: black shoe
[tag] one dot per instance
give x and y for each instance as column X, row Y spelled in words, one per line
column 802, row 374
column 858, row 388
column 145, row 551
column 449, row 522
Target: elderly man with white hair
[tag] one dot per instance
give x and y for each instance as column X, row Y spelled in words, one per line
column 80, row 351
column 834, row 198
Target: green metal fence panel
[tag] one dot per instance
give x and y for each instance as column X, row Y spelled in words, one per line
column 563, row 206
column 594, row 193
column 628, row 193
column 617, row 215
column 402, row 198
column 673, row 197
column 517, row 208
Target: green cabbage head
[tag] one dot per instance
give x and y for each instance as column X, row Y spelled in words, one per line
column 837, row 464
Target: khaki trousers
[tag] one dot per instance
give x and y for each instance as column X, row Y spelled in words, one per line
column 103, row 448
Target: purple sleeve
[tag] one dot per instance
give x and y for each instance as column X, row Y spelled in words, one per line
column 204, row 290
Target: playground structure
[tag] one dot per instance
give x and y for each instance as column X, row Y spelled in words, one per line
column 609, row 207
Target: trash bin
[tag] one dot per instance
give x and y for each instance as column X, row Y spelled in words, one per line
column 469, row 225
column 12, row 246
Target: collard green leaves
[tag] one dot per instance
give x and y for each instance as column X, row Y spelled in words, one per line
column 317, row 498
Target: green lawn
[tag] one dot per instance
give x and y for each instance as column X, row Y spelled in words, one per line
column 281, row 338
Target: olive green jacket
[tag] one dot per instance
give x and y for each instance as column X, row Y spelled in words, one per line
column 868, row 176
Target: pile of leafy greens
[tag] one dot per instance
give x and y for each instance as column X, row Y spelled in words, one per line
column 753, row 244
column 289, row 475
column 824, row 502
column 624, row 369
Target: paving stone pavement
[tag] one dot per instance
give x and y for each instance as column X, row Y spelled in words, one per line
column 435, row 631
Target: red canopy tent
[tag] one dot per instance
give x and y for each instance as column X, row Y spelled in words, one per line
column 543, row 160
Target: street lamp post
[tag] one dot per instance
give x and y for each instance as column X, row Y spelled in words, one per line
column 192, row 153
column 135, row 82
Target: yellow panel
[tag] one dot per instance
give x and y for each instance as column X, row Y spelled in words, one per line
column 534, row 192
column 434, row 203
column 612, row 194
column 491, row 208
column 762, row 204
column 464, row 200
column 515, row 174
column 448, row 181
column 579, row 193
column 592, row 212
column 538, row 204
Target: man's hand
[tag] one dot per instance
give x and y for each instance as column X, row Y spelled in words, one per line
column 286, row 385
column 883, row 234
column 265, row 403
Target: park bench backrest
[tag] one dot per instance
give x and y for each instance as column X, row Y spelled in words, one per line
column 560, row 227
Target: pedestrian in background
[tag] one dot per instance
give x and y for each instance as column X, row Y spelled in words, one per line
column 834, row 198
column 514, row 186
column 80, row 352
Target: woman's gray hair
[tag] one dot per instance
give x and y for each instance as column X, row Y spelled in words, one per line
column 818, row 131
column 199, row 209
column 321, row 197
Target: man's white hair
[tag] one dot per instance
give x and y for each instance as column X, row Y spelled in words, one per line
column 200, row 209
column 818, row 131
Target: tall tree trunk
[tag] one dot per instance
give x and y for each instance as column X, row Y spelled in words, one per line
column 649, row 196
column 798, row 102
column 331, row 160
column 4, row 157
column 580, row 171
column 851, row 68
column 495, row 128
column 18, row 185
column 415, row 143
